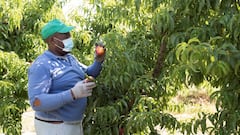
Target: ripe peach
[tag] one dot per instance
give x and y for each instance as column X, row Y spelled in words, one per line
column 99, row 50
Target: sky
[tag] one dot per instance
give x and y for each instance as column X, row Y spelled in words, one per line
column 71, row 5
column 76, row 3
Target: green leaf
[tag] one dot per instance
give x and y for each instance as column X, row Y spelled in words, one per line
column 237, row 69
column 180, row 48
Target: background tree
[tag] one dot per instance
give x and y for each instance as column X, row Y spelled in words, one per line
column 20, row 43
column 13, row 93
column 155, row 47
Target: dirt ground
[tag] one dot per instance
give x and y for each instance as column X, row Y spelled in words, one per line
column 28, row 123
column 202, row 100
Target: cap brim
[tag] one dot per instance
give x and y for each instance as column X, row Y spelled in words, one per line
column 66, row 29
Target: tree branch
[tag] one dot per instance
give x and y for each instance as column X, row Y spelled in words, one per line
column 160, row 60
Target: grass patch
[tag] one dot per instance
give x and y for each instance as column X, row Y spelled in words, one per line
column 188, row 103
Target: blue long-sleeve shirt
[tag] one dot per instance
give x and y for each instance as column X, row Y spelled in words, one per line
column 50, row 79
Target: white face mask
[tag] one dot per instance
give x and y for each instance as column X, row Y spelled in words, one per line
column 68, row 44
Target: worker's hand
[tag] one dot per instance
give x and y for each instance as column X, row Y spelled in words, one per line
column 83, row 89
column 100, row 52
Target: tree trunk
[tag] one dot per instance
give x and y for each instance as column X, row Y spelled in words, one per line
column 160, row 60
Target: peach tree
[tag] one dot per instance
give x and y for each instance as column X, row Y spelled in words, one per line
column 153, row 48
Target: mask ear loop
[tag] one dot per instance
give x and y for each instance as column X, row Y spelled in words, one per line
column 58, row 45
column 57, row 39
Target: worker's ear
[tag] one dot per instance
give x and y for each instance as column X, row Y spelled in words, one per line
column 49, row 40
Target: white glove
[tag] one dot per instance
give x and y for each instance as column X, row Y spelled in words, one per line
column 83, row 89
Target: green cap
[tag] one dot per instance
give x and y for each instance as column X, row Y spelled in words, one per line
column 54, row 26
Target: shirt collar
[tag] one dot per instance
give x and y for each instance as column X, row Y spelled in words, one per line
column 53, row 56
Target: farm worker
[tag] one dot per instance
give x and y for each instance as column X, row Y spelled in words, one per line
column 57, row 86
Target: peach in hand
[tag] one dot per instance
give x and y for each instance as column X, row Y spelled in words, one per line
column 89, row 79
column 99, row 50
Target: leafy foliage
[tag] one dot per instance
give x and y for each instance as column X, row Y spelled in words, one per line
column 13, row 91
column 21, row 21
column 200, row 43
column 20, row 43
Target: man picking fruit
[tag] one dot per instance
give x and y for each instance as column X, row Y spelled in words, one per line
column 57, row 83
